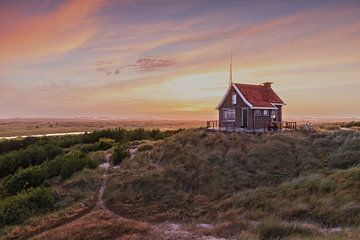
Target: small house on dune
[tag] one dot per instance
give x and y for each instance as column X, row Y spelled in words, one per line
column 250, row 107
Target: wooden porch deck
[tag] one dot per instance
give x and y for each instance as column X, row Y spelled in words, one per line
column 230, row 127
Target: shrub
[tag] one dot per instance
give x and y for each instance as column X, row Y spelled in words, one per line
column 351, row 124
column 64, row 166
column 32, row 155
column 17, row 208
column 16, row 144
column 120, row 135
column 121, row 152
column 75, row 162
column 102, row 144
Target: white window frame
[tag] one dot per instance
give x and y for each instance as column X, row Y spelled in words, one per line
column 257, row 112
column 227, row 117
column 265, row 112
column 233, row 99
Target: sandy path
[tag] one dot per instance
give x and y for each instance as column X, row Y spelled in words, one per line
column 164, row 231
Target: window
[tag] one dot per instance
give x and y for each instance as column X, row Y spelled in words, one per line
column 257, row 112
column 265, row 112
column 233, row 98
column 229, row 115
column 274, row 115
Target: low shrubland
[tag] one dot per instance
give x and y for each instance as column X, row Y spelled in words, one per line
column 229, row 179
column 121, row 151
column 64, row 166
column 351, row 124
column 16, row 144
column 32, row 155
column 102, row 144
column 17, row 208
column 52, row 174
column 119, row 135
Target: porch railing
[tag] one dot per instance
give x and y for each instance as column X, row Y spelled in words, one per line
column 291, row 126
column 230, row 126
column 212, row 125
column 215, row 125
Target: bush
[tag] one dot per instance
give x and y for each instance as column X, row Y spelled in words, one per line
column 351, row 124
column 75, row 162
column 120, row 135
column 34, row 176
column 16, row 144
column 103, row 144
column 121, row 152
column 32, row 155
column 16, row 209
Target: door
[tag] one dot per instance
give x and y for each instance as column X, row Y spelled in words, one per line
column 244, row 118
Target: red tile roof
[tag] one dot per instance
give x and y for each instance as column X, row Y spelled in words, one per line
column 259, row 95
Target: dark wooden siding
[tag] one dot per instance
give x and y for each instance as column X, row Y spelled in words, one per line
column 227, row 104
column 260, row 121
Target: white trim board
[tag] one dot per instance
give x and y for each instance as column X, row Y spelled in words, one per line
column 242, row 96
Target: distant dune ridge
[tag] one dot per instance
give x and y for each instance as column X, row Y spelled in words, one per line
column 31, row 126
column 35, row 126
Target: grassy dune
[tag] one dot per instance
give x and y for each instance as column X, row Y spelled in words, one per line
column 288, row 185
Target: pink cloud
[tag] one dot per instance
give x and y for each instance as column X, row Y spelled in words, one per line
column 55, row 32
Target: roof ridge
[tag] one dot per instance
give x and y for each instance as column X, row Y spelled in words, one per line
column 249, row 84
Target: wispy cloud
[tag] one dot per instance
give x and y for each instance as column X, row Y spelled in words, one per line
column 152, row 63
column 146, row 57
column 55, row 32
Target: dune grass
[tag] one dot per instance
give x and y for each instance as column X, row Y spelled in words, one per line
column 237, row 181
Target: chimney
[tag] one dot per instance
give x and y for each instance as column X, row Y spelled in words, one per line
column 267, row 84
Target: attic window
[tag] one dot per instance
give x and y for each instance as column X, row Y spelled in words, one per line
column 233, row 98
column 265, row 112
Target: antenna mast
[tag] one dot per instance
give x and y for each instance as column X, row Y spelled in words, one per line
column 230, row 76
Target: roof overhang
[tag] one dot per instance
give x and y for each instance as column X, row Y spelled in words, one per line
column 245, row 100
column 242, row 96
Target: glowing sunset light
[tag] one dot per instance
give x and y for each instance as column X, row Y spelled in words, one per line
column 169, row 59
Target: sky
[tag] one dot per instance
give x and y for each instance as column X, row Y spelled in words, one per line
column 170, row 59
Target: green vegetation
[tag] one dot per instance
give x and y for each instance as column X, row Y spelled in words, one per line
column 266, row 186
column 351, row 124
column 12, row 145
column 17, row 208
column 34, row 176
column 234, row 179
column 32, row 155
column 102, row 144
column 121, row 151
column 48, row 174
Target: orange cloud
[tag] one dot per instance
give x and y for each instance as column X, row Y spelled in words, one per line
column 60, row 31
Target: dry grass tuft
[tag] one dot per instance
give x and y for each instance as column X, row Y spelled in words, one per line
column 100, row 225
